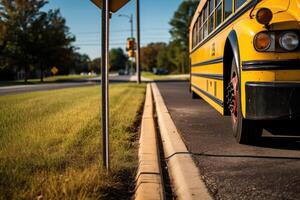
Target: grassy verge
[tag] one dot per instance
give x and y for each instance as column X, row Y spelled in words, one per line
column 155, row 77
column 52, row 79
column 50, row 144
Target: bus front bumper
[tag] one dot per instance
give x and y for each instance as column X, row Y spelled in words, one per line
column 272, row 100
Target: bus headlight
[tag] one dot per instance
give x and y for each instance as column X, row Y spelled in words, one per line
column 263, row 41
column 289, row 41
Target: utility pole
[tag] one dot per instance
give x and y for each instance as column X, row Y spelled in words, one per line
column 104, row 83
column 131, row 31
column 131, row 22
column 138, row 44
column 131, row 25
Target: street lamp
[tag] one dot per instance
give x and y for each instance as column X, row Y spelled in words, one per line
column 130, row 17
column 130, row 21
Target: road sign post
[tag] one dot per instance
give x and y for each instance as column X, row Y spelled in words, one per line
column 107, row 6
column 138, row 57
column 104, row 83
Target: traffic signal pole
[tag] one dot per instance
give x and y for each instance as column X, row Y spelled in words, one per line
column 138, row 57
column 131, row 33
column 104, row 84
column 131, row 25
column 131, row 29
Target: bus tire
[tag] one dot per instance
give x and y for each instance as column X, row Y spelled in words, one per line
column 245, row 131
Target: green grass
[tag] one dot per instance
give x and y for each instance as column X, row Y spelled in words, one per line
column 50, row 144
column 155, row 77
column 51, row 79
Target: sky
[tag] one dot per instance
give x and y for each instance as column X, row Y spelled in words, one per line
column 84, row 20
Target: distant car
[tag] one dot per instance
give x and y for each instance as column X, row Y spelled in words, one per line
column 161, row 72
column 122, row 72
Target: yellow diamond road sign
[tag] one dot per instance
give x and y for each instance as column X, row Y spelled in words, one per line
column 115, row 5
column 54, row 70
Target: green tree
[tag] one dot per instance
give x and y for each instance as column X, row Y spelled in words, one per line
column 33, row 39
column 163, row 59
column 117, row 59
column 95, row 65
column 180, row 32
column 149, row 55
column 17, row 18
column 52, row 41
column 79, row 63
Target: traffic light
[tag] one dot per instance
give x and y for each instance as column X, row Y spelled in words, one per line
column 131, row 53
column 130, row 44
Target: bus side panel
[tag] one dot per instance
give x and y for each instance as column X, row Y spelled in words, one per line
column 210, row 51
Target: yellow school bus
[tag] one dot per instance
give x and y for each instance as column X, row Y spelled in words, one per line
column 245, row 61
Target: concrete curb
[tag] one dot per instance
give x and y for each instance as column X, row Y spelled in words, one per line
column 149, row 182
column 183, row 171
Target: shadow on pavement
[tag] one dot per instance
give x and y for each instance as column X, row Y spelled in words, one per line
column 169, row 81
column 279, row 142
column 245, row 156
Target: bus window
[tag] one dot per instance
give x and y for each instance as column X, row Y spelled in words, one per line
column 193, row 37
column 205, row 30
column 239, row 3
column 201, row 28
column 228, row 8
column 211, row 15
column 211, row 6
column 196, row 33
column 219, row 13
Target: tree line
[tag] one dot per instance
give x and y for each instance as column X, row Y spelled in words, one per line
column 173, row 56
column 32, row 41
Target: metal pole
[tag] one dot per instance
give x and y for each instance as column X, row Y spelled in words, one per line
column 131, row 30
column 104, row 84
column 131, row 22
column 138, row 58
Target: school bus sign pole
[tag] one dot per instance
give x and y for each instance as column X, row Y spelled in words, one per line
column 107, row 7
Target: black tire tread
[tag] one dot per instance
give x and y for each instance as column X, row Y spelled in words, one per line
column 245, row 131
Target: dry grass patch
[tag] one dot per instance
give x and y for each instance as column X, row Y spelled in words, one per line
column 50, row 144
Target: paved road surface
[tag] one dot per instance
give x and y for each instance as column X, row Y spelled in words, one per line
column 269, row 170
column 6, row 90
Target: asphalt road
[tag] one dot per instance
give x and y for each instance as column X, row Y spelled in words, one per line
column 6, row 90
column 268, row 170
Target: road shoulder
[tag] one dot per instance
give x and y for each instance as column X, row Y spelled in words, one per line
column 184, row 174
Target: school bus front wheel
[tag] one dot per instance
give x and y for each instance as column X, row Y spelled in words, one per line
column 245, row 131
